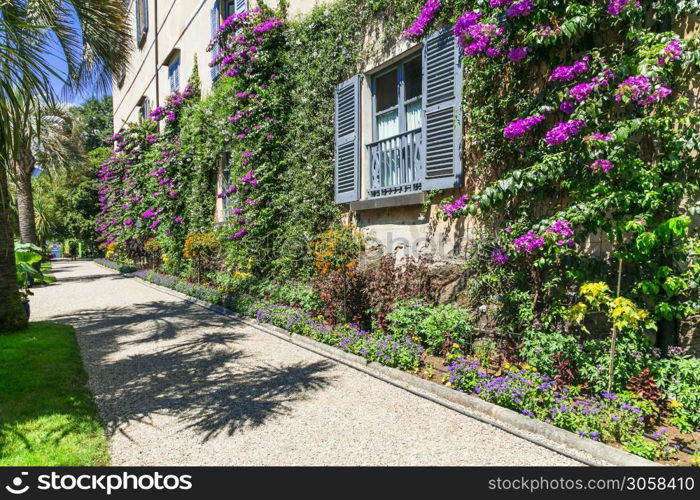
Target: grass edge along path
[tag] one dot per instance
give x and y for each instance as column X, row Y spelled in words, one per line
column 48, row 416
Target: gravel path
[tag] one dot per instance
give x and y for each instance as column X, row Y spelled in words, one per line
column 177, row 384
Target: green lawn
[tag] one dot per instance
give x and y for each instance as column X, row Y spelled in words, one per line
column 47, row 414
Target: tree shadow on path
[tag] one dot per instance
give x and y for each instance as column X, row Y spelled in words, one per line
column 181, row 360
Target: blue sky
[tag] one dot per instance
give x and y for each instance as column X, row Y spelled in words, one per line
column 55, row 59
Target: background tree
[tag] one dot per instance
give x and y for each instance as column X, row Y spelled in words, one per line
column 94, row 38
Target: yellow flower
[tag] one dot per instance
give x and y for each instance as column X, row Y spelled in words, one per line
column 455, row 346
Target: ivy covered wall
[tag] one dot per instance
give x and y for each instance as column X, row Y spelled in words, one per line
column 578, row 122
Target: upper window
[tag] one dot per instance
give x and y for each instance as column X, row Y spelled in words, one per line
column 234, row 7
column 397, row 99
column 141, row 14
column 174, row 74
column 145, row 108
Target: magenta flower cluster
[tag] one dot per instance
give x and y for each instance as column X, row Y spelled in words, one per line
column 598, row 136
column 615, row 7
column 449, row 209
column 417, row 29
column 547, row 31
column 602, row 165
column 671, row 52
column 172, row 104
column 528, row 242
column 519, row 9
column 563, row 232
column 563, row 131
column 639, row 90
column 499, row 257
column 518, row 127
column 569, row 73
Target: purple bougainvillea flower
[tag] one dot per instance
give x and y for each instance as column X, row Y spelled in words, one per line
column 518, row 127
column 567, row 107
column 528, row 242
column 617, row 6
column 517, row 54
column 417, row 29
column 563, row 131
column 499, row 256
column 671, row 52
column 519, row 9
column 603, row 165
column 449, row 209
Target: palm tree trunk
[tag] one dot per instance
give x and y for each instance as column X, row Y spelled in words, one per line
column 25, row 199
column 12, row 315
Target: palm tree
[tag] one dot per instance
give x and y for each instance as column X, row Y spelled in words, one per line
column 94, row 48
column 47, row 140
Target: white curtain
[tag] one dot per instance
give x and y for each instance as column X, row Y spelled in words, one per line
column 413, row 115
column 387, row 125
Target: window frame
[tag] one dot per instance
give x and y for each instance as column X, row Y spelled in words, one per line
column 145, row 106
column 141, row 16
column 401, row 103
column 225, row 12
column 175, row 62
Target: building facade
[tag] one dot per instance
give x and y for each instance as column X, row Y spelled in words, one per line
column 398, row 126
column 169, row 36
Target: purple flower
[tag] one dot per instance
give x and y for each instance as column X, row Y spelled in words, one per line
column 518, row 127
column 177, row 220
column 517, row 54
column 449, row 209
column 671, row 52
column 547, row 31
column 499, row 257
column 520, row 8
column 568, row 73
column 567, row 107
column 562, row 229
column 563, row 131
column 617, row 6
column 417, row 29
column 581, row 91
column 603, row 165
column 528, row 242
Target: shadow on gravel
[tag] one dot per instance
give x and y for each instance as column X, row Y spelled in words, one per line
column 181, row 360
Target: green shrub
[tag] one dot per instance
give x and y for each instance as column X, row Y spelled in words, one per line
column 435, row 326
column 446, row 325
column 679, row 379
column 540, row 349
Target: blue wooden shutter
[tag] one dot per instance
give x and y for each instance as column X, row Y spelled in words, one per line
column 137, row 16
column 214, row 19
column 174, row 74
column 240, row 6
column 442, row 116
column 144, row 28
column 347, row 140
